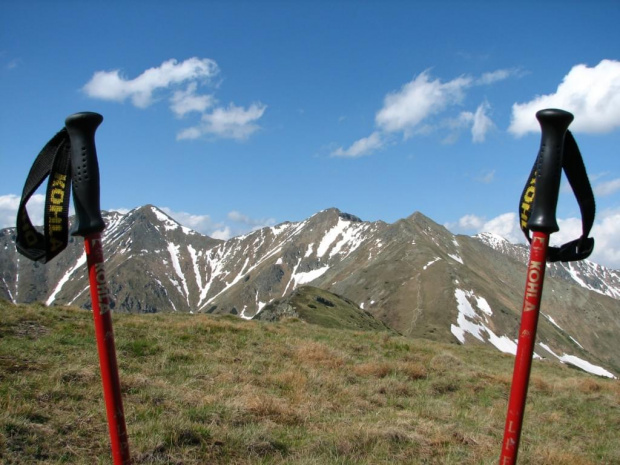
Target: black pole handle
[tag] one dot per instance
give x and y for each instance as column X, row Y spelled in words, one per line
column 554, row 124
column 85, row 173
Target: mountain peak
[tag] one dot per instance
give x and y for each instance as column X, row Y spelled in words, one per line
column 334, row 213
column 492, row 239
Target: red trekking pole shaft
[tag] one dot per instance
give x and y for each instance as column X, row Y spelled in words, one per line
column 89, row 224
column 525, row 347
column 105, row 345
column 543, row 197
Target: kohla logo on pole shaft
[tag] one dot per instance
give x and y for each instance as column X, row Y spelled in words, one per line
column 102, row 288
column 535, row 274
column 98, row 270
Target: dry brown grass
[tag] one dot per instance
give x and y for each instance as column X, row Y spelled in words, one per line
column 201, row 389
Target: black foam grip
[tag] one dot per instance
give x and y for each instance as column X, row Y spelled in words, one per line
column 85, row 173
column 554, row 124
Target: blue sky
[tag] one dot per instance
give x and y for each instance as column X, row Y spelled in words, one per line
column 236, row 115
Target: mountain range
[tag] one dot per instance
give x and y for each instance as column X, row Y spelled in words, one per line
column 413, row 275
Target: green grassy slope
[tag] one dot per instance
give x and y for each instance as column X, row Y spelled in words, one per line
column 203, row 389
column 323, row 308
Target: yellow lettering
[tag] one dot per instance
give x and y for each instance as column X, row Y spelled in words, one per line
column 528, row 199
column 57, row 196
column 59, row 180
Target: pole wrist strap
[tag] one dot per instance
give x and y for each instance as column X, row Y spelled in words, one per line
column 54, row 161
column 572, row 164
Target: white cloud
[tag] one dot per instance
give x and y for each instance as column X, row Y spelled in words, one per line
column 607, row 188
column 417, row 100
column 200, row 223
column 481, row 123
column 232, row 122
column 505, row 225
column 591, row 94
column 361, row 147
column 189, row 133
column 223, row 234
column 110, row 85
column 408, row 110
column 186, row 101
column 471, row 222
column 498, row 75
column 9, row 204
column 606, row 233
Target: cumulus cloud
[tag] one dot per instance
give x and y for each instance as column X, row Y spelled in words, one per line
column 411, row 110
column 591, row 94
column 186, row 101
column 110, row 85
column 231, row 122
column 178, row 82
column 9, row 203
column 417, row 100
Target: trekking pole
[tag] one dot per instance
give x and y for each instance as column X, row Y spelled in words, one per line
column 89, row 224
column 541, row 196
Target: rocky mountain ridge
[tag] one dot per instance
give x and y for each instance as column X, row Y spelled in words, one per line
column 413, row 275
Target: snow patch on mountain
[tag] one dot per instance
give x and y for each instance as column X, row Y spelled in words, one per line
column 330, row 237
column 173, row 250
column 434, row 260
column 579, row 363
column 586, row 366
column 309, row 276
column 469, row 321
column 80, row 262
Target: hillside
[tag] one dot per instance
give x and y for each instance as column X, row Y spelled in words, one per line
column 218, row 389
column 413, row 275
column 323, row 308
